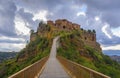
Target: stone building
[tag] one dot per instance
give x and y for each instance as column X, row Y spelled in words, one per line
column 51, row 27
column 89, row 39
column 63, row 24
column 89, row 36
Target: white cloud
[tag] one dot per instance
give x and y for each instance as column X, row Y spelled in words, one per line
column 104, row 30
column 97, row 18
column 11, row 46
column 115, row 47
column 10, row 38
column 81, row 10
column 41, row 15
column 81, row 14
column 21, row 26
column 116, row 31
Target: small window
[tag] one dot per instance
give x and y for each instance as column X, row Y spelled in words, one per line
column 64, row 27
column 85, row 38
column 93, row 38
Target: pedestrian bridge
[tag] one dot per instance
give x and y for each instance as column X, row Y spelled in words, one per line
column 54, row 66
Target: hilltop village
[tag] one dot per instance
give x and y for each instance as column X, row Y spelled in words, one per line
column 75, row 44
column 89, row 37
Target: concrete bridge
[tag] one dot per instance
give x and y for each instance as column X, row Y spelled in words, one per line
column 57, row 67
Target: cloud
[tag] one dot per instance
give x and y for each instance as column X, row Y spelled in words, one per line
column 11, row 47
column 110, row 10
column 7, row 15
column 26, row 18
column 97, row 18
column 89, row 14
column 41, row 15
column 106, row 23
column 4, row 39
column 101, row 15
column 38, row 5
column 115, row 47
column 21, row 27
column 111, row 52
column 105, row 31
column 14, row 25
column 81, row 13
column 116, row 31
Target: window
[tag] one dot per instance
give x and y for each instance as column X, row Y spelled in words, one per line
column 85, row 38
column 64, row 27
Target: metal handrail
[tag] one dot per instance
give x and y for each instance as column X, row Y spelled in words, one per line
column 31, row 71
column 79, row 71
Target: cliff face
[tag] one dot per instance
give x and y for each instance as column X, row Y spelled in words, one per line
column 60, row 25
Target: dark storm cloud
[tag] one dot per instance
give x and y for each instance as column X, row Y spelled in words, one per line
column 103, row 4
column 113, row 18
column 110, row 10
column 7, row 15
column 36, row 5
column 27, row 18
column 11, row 41
column 106, row 41
column 107, row 10
column 59, row 8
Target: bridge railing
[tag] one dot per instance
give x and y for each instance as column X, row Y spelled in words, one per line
column 31, row 71
column 79, row 71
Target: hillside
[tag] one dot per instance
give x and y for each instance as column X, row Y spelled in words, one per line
column 7, row 55
column 75, row 44
column 115, row 57
column 73, row 48
column 33, row 52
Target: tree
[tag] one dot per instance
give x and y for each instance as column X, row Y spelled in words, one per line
column 94, row 31
column 82, row 29
column 31, row 31
column 41, row 23
column 89, row 31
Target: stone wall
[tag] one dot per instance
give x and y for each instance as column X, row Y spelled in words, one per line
column 50, row 23
column 89, row 39
column 63, row 24
column 89, row 36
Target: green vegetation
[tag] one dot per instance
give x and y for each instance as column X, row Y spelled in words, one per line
column 7, row 55
column 73, row 48
column 33, row 52
column 93, row 31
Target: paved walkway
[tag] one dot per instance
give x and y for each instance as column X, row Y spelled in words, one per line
column 53, row 68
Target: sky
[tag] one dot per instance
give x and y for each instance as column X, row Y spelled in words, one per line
column 18, row 17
